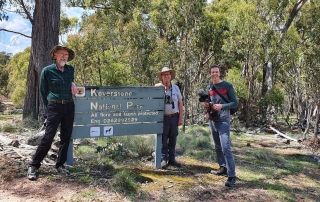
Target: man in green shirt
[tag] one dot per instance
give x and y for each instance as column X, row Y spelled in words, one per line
column 56, row 89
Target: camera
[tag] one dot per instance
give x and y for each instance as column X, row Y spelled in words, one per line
column 203, row 97
column 168, row 100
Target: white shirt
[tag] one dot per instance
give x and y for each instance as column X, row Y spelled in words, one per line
column 175, row 95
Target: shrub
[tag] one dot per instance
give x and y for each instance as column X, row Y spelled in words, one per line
column 124, row 182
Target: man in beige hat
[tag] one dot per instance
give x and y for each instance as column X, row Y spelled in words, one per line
column 56, row 89
column 173, row 113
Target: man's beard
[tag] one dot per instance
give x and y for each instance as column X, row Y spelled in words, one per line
column 62, row 63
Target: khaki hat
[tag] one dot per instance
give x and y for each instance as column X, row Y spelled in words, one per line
column 57, row 48
column 166, row 69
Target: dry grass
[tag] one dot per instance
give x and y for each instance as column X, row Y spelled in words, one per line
column 263, row 174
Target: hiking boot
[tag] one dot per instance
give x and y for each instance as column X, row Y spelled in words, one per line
column 231, row 182
column 32, row 173
column 62, row 170
column 221, row 171
column 174, row 163
column 164, row 164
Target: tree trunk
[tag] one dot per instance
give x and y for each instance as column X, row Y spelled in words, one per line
column 308, row 116
column 45, row 35
column 184, row 93
column 316, row 126
column 300, row 109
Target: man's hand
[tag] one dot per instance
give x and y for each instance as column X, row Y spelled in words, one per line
column 216, row 107
column 74, row 89
column 206, row 104
column 159, row 84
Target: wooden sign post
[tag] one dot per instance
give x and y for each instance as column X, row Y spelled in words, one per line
column 118, row 111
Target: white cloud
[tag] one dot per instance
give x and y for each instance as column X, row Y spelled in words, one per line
column 18, row 43
column 21, row 25
column 17, row 23
column 14, row 43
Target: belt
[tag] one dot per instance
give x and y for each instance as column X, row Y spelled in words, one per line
column 170, row 115
column 60, row 101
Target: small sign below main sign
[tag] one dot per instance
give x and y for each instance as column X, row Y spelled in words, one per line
column 94, row 131
column 108, row 130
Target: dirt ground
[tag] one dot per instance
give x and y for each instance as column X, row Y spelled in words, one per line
column 50, row 186
column 192, row 182
column 53, row 187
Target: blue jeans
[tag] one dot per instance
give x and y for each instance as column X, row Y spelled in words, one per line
column 57, row 114
column 169, row 137
column 220, row 132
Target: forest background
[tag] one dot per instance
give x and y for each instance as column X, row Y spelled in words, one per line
column 269, row 51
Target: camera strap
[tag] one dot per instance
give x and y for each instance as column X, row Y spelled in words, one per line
column 166, row 96
column 165, row 90
column 215, row 90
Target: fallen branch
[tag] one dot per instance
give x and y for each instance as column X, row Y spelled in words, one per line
column 265, row 144
column 288, row 147
column 283, row 135
column 23, row 157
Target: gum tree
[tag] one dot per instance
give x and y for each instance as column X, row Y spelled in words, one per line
column 44, row 17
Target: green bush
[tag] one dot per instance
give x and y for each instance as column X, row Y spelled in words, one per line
column 8, row 128
column 196, row 142
column 142, row 145
column 124, row 182
column 274, row 97
column 30, row 122
column 269, row 157
column 86, row 152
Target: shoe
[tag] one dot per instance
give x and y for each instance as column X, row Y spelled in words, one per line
column 221, row 171
column 231, row 182
column 62, row 170
column 174, row 163
column 164, row 164
column 32, row 173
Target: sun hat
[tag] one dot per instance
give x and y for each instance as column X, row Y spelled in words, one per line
column 58, row 47
column 166, row 69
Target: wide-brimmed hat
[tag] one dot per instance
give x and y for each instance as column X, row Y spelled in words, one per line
column 166, row 69
column 57, row 48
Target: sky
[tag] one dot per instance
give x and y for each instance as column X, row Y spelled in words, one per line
column 14, row 43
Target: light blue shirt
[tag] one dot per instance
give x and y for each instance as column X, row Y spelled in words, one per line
column 175, row 95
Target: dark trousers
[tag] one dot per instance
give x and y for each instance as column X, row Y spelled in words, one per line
column 169, row 137
column 56, row 114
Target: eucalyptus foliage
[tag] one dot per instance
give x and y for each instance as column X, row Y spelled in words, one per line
column 269, row 49
column 18, row 66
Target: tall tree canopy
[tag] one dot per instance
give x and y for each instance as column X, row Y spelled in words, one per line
column 266, row 48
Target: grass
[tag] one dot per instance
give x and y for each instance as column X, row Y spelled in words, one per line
column 263, row 173
column 13, row 123
column 86, row 195
column 267, row 169
column 124, row 181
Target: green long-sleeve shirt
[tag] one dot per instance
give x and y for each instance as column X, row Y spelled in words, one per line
column 225, row 89
column 55, row 85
